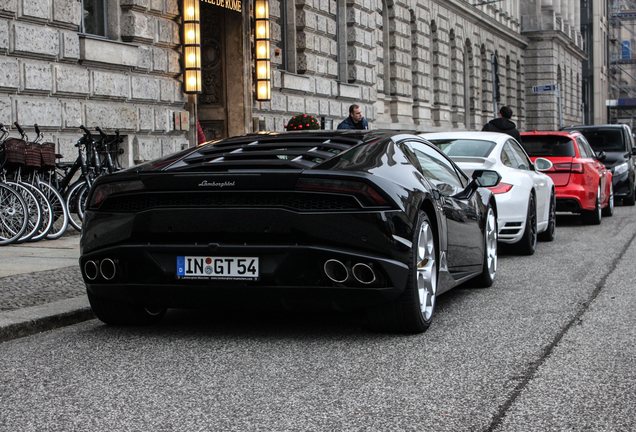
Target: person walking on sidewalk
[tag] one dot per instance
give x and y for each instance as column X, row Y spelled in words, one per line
column 503, row 124
column 355, row 119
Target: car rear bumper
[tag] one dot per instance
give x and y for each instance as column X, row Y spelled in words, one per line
column 512, row 211
column 147, row 276
column 573, row 198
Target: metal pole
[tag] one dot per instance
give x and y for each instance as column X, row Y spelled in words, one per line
column 494, row 85
column 559, row 103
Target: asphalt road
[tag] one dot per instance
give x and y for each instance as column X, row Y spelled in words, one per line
column 550, row 347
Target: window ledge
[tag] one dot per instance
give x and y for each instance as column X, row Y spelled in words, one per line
column 97, row 49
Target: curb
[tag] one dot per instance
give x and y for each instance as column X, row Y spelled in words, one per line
column 36, row 319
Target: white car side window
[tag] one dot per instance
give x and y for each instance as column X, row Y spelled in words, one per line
column 508, row 157
column 524, row 161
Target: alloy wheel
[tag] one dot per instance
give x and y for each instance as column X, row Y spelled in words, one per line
column 426, row 271
column 491, row 243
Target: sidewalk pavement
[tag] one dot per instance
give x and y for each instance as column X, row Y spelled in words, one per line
column 41, row 287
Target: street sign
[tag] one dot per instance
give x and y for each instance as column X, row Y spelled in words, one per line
column 544, row 88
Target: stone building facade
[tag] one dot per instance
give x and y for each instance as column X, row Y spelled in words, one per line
column 424, row 65
column 57, row 76
column 414, row 65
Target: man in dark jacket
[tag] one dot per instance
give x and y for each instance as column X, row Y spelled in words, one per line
column 503, row 124
column 355, row 119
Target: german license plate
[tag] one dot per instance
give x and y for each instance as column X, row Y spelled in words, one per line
column 226, row 268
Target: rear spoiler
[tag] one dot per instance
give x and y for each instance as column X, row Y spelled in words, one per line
column 486, row 162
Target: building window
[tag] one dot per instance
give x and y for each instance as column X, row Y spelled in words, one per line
column 94, row 17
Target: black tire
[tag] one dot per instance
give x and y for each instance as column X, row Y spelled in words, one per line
column 120, row 313
column 550, row 233
column 593, row 217
column 74, row 200
column 413, row 311
column 608, row 211
column 33, row 208
column 630, row 200
column 14, row 215
column 489, row 267
column 528, row 243
column 47, row 213
column 60, row 214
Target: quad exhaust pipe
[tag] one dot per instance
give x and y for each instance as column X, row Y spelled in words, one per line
column 339, row 272
column 105, row 268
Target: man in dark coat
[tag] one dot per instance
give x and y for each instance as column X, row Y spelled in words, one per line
column 355, row 119
column 503, row 124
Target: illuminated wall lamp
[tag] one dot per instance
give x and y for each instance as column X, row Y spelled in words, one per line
column 263, row 75
column 192, row 46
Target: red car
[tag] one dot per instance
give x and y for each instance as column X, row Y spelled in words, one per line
column 583, row 184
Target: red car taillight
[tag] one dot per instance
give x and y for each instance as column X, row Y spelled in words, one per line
column 501, row 188
column 577, row 168
column 364, row 192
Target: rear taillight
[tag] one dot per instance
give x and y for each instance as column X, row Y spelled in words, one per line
column 568, row 167
column 366, row 194
column 578, row 168
column 103, row 191
column 501, row 188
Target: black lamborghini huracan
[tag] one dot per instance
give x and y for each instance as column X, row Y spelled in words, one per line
column 377, row 220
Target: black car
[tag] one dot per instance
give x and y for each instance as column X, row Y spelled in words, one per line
column 614, row 144
column 339, row 219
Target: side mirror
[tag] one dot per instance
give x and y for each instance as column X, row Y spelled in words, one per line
column 486, row 178
column 542, row 164
column 600, row 155
column 481, row 178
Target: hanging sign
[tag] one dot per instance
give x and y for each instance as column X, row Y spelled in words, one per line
column 235, row 5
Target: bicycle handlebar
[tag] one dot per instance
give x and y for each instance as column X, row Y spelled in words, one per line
column 86, row 131
column 24, row 135
column 101, row 132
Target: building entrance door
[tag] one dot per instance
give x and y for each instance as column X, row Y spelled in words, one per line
column 222, row 102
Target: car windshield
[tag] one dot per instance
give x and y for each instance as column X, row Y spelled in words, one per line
column 464, row 147
column 546, row 145
column 604, row 139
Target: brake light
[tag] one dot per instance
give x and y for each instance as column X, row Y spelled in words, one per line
column 364, row 192
column 577, row 168
column 103, row 191
column 501, row 188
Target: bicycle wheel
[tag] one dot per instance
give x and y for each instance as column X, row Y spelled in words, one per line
column 74, row 204
column 60, row 213
column 34, row 211
column 47, row 212
column 14, row 215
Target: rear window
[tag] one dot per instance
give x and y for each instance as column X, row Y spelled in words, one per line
column 605, row 139
column 546, row 146
column 464, row 147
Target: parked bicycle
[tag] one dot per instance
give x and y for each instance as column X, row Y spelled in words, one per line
column 45, row 195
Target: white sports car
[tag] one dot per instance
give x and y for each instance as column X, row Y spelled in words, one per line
column 525, row 197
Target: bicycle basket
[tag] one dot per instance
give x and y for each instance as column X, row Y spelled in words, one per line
column 48, row 155
column 33, row 155
column 14, row 151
